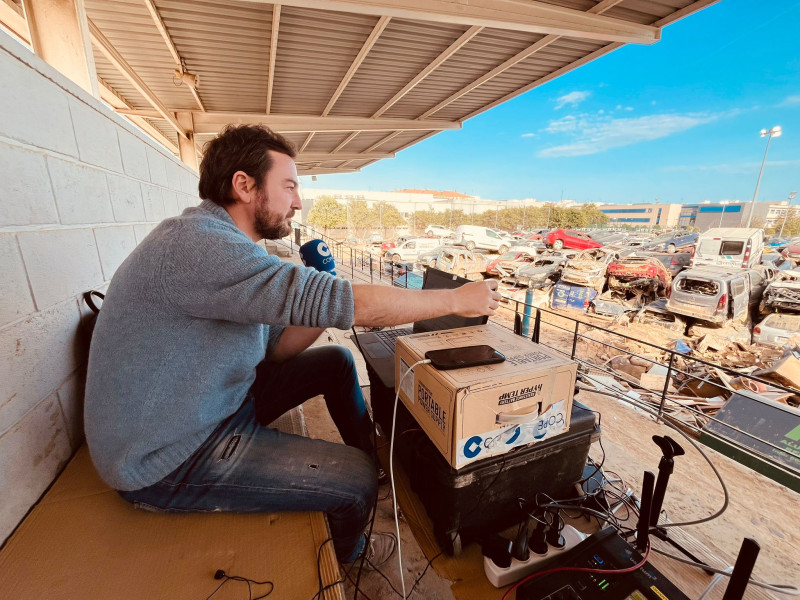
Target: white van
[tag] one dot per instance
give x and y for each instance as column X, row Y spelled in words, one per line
column 731, row 247
column 411, row 249
column 475, row 236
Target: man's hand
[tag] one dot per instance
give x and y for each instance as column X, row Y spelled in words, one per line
column 477, row 299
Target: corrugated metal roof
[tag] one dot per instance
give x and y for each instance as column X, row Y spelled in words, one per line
column 343, row 78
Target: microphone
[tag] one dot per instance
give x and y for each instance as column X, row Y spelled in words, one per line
column 317, row 254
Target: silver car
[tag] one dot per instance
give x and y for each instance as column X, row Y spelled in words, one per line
column 777, row 329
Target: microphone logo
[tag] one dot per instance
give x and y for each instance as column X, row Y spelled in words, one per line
column 323, row 249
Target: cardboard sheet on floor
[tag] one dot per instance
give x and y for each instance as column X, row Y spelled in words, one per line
column 84, row 541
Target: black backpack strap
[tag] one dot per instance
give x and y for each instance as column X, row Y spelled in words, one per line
column 87, row 297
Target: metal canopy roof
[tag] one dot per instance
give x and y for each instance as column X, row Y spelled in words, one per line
column 348, row 81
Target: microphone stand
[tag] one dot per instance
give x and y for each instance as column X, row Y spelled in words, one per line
column 669, row 449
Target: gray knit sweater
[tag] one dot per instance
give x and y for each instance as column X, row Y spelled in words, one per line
column 187, row 317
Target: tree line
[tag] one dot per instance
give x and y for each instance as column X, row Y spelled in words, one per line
column 359, row 219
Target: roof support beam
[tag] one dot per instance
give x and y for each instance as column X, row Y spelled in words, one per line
column 127, row 71
column 530, row 16
column 434, row 64
column 326, row 157
column 212, row 122
column 162, row 29
column 325, row 171
column 362, row 54
column 548, row 77
column 346, row 141
column 120, row 104
column 273, row 52
column 517, row 58
column 11, row 16
column 59, row 34
column 188, row 151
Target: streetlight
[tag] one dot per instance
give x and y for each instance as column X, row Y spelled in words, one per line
column 786, row 216
column 724, row 204
column 769, row 134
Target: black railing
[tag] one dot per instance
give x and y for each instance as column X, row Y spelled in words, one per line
column 371, row 267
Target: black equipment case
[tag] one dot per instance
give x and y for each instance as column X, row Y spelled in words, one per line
column 483, row 497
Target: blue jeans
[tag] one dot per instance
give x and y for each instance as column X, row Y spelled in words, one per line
column 246, row 467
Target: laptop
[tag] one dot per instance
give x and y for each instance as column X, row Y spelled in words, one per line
column 378, row 346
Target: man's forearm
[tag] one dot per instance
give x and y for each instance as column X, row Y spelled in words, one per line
column 383, row 305
column 293, row 341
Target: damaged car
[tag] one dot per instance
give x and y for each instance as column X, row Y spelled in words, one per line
column 656, row 313
column 783, row 294
column 508, row 263
column 777, row 330
column 461, row 262
column 589, row 268
column 715, row 294
column 542, row 272
column 632, row 282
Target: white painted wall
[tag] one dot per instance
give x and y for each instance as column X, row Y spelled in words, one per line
column 81, row 187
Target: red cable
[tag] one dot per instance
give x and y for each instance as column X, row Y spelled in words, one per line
column 639, row 565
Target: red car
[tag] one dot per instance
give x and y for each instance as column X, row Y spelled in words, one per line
column 567, row 238
column 640, row 271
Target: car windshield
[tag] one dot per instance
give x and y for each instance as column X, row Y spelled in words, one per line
column 785, row 322
column 509, row 256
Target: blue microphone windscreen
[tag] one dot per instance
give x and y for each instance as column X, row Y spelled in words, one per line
column 317, row 254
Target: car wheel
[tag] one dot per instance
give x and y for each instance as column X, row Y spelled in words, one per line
column 502, row 249
column 558, row 245
column 671, row 248
column 396, row 258
column 470, row 245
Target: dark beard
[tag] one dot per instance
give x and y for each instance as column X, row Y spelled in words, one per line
column 270, row 226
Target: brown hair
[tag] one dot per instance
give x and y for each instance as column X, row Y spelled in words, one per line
column 238, row 148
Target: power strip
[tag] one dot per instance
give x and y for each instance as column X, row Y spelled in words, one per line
column 501, row 577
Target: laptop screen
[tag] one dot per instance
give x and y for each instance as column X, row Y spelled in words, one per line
column 439, row 280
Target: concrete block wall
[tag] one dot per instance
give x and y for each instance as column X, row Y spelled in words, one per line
column 81, row 188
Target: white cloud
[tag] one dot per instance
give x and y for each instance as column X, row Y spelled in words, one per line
column 528, row 135
column 594, row 134
column 791, row 101
column 573, row 99
column 629, row 108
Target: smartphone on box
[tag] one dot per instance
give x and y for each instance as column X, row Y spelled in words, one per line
column 466, row 356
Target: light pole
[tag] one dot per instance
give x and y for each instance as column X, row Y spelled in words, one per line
column 786, row 216
column 769, row 134
column 722, row 215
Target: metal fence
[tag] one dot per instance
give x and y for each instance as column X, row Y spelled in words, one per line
column 370, row 267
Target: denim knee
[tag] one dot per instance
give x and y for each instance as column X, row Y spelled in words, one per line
column 362, row 484
column 341, row 356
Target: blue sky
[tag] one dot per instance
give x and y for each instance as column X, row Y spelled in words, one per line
column 678, row 120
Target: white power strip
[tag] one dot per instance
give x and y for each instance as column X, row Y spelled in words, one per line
column 500, row 577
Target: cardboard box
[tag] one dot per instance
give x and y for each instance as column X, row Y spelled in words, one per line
column 477, row 412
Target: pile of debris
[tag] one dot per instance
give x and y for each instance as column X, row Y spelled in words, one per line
column 693, row 390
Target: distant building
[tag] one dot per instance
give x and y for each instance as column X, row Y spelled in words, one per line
column 665, row 216
column 733, row 214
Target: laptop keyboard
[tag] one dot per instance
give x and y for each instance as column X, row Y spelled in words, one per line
column 389, row 336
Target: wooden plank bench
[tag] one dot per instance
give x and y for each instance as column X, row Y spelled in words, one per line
column 82, row 540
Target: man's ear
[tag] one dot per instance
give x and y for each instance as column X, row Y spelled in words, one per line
column 243, row 187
